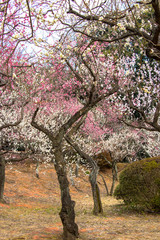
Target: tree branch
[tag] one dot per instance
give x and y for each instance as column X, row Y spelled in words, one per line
column 92, row 17
column 41, row 127
column 152, row 125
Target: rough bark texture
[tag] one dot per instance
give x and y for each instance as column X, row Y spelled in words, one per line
column 67, row 214
column 96, row 193
column 2, row 177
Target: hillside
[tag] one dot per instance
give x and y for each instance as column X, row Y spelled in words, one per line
column 33, row 205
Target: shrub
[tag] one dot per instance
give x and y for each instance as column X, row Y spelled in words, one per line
column 139, row 185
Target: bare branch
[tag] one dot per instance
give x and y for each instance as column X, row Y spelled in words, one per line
column 77, row 126
column 30, row 19
column 83, row 155
column 92, row 17
column 140, row 126
column 74, row 71
column 92, row 91
column 22, row 158
column 41, row 127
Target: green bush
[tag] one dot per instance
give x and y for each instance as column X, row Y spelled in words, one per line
column 139, row 185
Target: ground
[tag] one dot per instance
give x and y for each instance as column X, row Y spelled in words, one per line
column 33, row 205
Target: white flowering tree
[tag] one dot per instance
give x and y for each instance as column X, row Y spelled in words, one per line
column 15, row 29
column 12, row 106
column 117, row 22
column 141, row 98
column 7, row 120
column 13, row 101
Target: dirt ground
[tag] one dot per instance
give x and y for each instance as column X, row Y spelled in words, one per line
column 33, row 205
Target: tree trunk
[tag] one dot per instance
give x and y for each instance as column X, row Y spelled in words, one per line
column 67, row 213
column 92, row 178
column 2, row 177
column 96, row 193
column 104, row 184
column 114, row 176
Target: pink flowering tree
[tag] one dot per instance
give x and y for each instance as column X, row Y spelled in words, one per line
column 82, row 88
column 133, row 27
column 16, row 29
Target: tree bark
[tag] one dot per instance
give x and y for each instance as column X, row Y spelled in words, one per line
column 114, row 176
column 104, row 184
column 67, row 213
column 92, row 178
column 2, row 177
column 96, row 193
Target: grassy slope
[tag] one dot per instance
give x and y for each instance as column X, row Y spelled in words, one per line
column 34, row 204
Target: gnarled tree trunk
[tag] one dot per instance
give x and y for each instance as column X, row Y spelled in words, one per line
column 2, row 177
column 92, row 178
column 67, row 213
column 95, row 192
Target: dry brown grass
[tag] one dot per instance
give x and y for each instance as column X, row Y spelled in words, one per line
column 34, row 204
